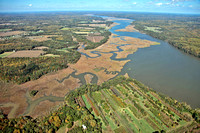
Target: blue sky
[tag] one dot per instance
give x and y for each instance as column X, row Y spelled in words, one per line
column 169, row 6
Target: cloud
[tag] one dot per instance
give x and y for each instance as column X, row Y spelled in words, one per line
column 159, row 4
column 134, row 3
column 190, row 6
column 30, row 5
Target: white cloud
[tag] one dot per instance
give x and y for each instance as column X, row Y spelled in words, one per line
column 134, row 3
column 159, row 4
column 30, row 5
column 190, row 6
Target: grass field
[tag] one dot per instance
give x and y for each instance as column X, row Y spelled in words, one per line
column 26, row 53
column 51, row 55
column 82, row 33
column 154, row 29
column 63, row 50
column 5, row 54
column 86, row 103
column 5, row 30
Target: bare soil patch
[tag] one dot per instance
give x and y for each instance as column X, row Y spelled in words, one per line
column 95, row 38
column 26, row 53
column 11, row 33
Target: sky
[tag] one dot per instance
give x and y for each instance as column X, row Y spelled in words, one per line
column 167, row 6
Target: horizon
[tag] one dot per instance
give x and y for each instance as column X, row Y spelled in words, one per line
column 88, row 11
column 149, row 6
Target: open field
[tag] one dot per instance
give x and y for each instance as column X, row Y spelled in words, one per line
column 95, row 38
column 94, row 25
column 26, row 53
column 51, row 55
column 8, row 24
column 41, row 48
column 11, row 33
column 5, row 30
column 154, row 29
column 82, row 32
column 41, row 38
column 5, row 54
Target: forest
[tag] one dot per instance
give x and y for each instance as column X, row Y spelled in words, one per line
column 118, row 105
column 179, row 30
column 34, row 44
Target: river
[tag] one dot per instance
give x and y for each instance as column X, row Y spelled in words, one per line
column 163, row 68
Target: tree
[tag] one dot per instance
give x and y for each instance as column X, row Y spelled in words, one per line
column 70, row 124
column 93, row 123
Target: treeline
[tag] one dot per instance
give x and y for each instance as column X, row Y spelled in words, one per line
column 179, row 30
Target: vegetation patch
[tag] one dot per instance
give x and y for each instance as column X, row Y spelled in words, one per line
column 51, row 55
column 33, row 93
column 5, row 54
column 154, row 29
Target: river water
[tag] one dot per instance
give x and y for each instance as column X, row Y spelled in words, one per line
column 163, row 68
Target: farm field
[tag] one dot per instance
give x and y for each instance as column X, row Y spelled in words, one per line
column 5, row 54
column 51, row 55
column 130, row 106
column 41, row 38
column 41, row 48
column 26, row 53
column 11, row 33
column 95, row 38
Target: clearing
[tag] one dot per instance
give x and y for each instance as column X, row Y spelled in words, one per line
column 26, row 53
